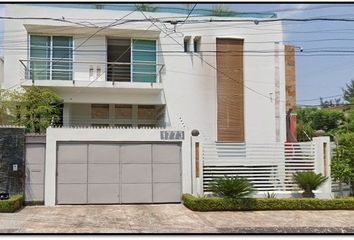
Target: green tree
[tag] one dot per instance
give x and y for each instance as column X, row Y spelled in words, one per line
column 35, row 108
column 99, row 6
column 342, row 166
column 348, row 91
column 312, row 119
column 145, row 7
column 4, row 107
column 221, row 11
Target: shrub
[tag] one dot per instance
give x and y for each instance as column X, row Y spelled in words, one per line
column 234, row 187
column 12, row 204
column 270, row 195
column 253, row 204
column 309, row 181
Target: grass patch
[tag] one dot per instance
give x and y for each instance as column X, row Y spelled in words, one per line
column 11, row 205
column 253, row 204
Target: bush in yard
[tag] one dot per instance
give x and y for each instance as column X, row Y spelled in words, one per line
column 253, row 204
column 11, row 205
column 233, row 187
column 309, row 181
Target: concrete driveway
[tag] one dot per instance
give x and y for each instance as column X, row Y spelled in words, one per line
column 170, row 218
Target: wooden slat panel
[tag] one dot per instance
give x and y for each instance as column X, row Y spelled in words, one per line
column 290, row 77
column 230, row 90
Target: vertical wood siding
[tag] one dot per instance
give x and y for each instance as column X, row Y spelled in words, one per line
column 230, row 93
column 290, row 77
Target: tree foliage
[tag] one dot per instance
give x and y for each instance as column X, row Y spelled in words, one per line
column 342, row 167
column 33, row 107
column 145, row 7
column 348, row 92
column 221, row 11
column 312, row 119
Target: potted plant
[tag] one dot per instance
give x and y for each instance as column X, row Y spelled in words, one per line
column 309, row 181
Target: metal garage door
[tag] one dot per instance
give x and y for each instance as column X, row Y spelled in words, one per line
column 110, row 173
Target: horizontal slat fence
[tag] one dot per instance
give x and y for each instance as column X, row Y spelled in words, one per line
column 268, row 166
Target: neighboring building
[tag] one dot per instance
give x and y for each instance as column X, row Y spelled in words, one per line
column 232, row 81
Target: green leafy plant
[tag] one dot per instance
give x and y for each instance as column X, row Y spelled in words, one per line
column 309, row 181
column 12, row 204
column 145, row 7
column 232, row 187
column 342, row 166
column 34, row 107
column 270, row 195
column 220, row 10
column 261, row 204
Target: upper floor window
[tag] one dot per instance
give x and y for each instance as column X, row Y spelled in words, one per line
column 51, row 57
column 131, row 60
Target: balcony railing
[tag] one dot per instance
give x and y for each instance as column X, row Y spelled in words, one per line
column 63, row 70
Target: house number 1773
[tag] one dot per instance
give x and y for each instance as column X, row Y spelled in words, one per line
column 172, row 135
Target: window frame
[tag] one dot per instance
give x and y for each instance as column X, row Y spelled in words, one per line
column 132, row 40
column 50, row 59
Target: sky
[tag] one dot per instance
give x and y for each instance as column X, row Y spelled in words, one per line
column 316, row 76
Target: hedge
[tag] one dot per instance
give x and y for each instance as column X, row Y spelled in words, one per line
column 11, row 205
column 253, row 204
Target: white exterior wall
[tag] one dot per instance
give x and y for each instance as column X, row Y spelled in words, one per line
column 188, row 83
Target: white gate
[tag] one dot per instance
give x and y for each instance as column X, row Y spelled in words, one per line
column 268, row 166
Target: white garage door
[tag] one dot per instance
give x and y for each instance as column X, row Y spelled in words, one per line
column 111, row 173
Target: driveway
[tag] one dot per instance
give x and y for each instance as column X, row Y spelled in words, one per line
column 170, row 218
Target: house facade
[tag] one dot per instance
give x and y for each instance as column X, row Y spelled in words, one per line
column 134, row 88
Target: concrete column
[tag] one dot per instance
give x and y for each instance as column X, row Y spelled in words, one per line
column 323, row 164
column 50, row 169
column 196, row 166
column 67, row 114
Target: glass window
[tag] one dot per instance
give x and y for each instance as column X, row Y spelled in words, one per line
column 51, row 57
column 144, row 60
column 39, row 57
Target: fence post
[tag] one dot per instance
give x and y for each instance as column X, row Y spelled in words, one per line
column 196, row 162
column 323, row 164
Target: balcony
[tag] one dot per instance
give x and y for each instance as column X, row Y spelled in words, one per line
column 84, row 74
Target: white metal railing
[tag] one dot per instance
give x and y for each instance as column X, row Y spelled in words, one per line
column 268, row 166
column 66, row 70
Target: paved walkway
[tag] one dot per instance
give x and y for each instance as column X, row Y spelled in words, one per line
column 170, row 218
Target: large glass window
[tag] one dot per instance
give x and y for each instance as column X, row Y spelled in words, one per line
column 51, row 57
column 144, row 60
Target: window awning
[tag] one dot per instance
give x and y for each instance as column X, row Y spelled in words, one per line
column 74, row 30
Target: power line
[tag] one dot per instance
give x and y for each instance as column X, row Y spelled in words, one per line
column 208, row 62
column 314, row 99
column 92, row 35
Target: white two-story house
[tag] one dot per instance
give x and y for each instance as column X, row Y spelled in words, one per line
column 134, row 87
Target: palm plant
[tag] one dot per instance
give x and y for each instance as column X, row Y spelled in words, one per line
column 145, row 7
column 270, row 195
column 309, row 181
column 233, row 187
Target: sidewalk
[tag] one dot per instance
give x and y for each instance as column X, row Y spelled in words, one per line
column 169, row 218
